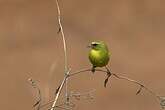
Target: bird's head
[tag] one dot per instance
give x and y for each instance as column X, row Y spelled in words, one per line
column 97, row 45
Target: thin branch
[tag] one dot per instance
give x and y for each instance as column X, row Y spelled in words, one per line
column 34, row 85
column 64, row 45
column 80, row 71
column 118, row 76
column 86, row 95
column 59, row 91
column 50, row 102
column 135, row 82
column 57, row 106
column 63, row 35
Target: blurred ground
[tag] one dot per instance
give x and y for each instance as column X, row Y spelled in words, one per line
column 29, row 45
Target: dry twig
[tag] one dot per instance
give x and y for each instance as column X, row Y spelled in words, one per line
column 119, row 76
column 58, row 92
column 64, row 48
column 34, row 85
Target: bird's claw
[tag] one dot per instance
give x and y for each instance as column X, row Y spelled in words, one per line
column 93, row 69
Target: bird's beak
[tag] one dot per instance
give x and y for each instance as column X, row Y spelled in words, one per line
column 89, row 46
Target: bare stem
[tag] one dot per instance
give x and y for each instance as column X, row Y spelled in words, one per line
column 65, row 49
column 34, row 85
column 59, row 91
column 135, row 82
column 63, row 36
column 118, row 76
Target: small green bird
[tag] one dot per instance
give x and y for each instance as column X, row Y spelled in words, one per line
column 99, row 57
column 99, row 54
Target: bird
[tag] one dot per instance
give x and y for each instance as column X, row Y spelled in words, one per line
column 99, row 56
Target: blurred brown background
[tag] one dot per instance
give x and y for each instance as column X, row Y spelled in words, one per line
column 30, row 46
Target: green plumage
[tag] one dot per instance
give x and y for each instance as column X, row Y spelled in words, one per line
column 99, row 54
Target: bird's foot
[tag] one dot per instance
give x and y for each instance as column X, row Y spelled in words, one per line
column 93, row 69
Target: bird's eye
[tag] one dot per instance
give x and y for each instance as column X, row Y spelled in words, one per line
column 94, row 44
